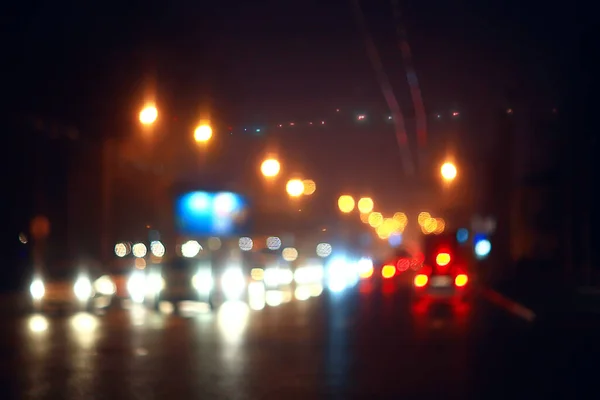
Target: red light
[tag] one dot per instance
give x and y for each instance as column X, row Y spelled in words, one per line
column 461, row 280
column 421, row 280
column 403, row 264
column 388, row 271
column 442, row 259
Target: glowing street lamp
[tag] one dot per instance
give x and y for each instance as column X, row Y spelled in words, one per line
column 346, row 203
column 365, row 205
column 148, row 115
column 203, row 133
column 295, row 187
column 270, row 168
column 448, row 172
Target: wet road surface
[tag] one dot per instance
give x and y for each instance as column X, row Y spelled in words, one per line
column 351, row 345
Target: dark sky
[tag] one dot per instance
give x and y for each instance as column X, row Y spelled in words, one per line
column 87, row 64
column 289, row 57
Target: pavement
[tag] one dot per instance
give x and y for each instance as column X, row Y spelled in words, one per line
column 362, row 343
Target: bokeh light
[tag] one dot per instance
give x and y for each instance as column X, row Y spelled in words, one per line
column 423, row 217
column 346, row 203
column 148, row 115
column 295, row 187
column 289, row 254
column 448, row 171
column 309, row 187
column 375, row 219
column 270, row 168
column 139, row 250
column 324, row 249
column 365, row 205
column 245, row 243
column 203, row 133
column 273, row 243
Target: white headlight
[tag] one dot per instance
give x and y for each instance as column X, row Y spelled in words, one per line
column 37, row 289
column 83, row 288
column 203, row 281
column 234, row 283
column 136, row 285
column 104, row 285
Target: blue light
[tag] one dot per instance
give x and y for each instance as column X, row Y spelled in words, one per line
column 483, row 248
column 462, row 235
column 395, row 239
column 258, row 130
column 211, row 214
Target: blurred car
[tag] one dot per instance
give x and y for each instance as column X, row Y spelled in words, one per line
column 444, row 274
column 66, row 287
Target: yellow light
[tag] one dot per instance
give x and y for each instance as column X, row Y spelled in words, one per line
column 442, row 259
column 365, row 205
column 388, row 271
column 148, row 115
column 440, row 225
column 270, row 168
column 448, row 171
column 375, row 219
column 295, row 187
column 423, row 217
column 346, row 203
column 309, row 187
column 203, row 133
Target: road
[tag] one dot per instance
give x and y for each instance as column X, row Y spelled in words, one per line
column 359, row 344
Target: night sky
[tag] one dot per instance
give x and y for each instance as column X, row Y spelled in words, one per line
column 87, row 66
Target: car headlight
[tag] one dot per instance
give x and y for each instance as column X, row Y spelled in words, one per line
column 233, row 283
column 37, row 289
column 105, row 286
column 136, row 285
column 83, row 288
column 203, row 281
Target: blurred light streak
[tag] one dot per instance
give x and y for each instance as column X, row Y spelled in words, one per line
column 232, row 320
column 256, row 296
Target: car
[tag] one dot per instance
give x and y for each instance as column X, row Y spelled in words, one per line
column 444, row 274
column 64, row 286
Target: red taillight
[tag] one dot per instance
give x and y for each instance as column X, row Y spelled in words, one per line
column 442, row 259
column 403, row 264
column 421, row 280
column 461, row 280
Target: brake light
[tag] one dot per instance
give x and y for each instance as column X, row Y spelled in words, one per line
column 461, row 280
column 388, row 271
column 442, row 259
column 421, row 280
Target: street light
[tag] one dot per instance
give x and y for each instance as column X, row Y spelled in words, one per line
column 148, row 115
column 365, row 205
column 346, row 203
column 270, row 168
column 295, row 187
column 203, row 133
column 448, row 171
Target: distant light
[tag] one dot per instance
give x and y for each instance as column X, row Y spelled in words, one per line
column 455, row 113
column 509, row 111
column 273, row 243
column 462, row 235
column 395, row 239
column 483, row 248
column 438, row 116
column 280, row 125
column 390, row 117
column 121, row 250
column 190, row 249
column 139, row 250
column 337, row 110
column 292, row 124
column 157, row 248
column 203, row 133
column 270, row 168
column 322, row 122
column 310, row 123
column 289, row 254
column 245, row 243
column 324, row 250
column 361, row 117
column 295, row 187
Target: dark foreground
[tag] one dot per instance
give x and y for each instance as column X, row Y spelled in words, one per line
column 346, row 346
